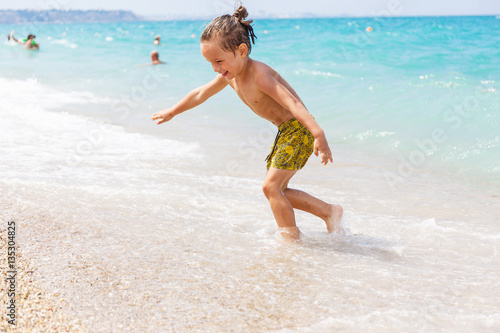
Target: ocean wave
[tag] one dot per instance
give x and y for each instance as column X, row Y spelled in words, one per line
column 316, row 73
column 41, row 142
column 63, row 42
column 47, row 97
column 366, row 135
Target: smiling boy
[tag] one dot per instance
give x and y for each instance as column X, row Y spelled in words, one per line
column 225, row 44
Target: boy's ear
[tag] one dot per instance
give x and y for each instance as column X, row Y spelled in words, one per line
column 243, row 50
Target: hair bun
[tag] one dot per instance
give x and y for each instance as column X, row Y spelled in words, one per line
column 240, row 13
column 230, row 31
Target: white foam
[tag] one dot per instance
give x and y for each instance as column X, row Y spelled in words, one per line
column 31, row 93
column 316, row 73
column 64, row 42
column 366, row 135
column 38, row 144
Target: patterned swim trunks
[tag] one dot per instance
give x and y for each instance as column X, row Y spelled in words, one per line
column 292, row 147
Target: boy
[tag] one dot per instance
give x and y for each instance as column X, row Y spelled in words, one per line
column 28, row 43
column 225, row 43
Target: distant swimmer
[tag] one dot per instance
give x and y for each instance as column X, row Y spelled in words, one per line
column 29, row 42
column 155, row 58
column 157, row 40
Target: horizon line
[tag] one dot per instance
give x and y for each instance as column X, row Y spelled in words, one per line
column 306, row 15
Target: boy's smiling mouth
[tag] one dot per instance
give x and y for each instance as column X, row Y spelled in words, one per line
column 225, row 73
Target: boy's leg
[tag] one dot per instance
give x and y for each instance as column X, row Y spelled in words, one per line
column 273, row 187
column 331, row 214
column 283, row 200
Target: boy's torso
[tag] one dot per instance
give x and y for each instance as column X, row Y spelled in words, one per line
column 260, row 103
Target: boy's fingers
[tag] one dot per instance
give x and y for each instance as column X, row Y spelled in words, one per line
column 326, row 157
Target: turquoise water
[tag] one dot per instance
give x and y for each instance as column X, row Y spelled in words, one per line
column 421, row 90
column 165, row 228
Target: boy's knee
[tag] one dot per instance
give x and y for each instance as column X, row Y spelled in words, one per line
column 270, row 189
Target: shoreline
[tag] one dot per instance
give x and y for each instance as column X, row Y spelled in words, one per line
column 50, row 229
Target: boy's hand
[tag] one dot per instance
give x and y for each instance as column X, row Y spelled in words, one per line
column 164, row 115
column 321, row 147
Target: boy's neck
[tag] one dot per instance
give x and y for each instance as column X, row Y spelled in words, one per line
column 242, row 75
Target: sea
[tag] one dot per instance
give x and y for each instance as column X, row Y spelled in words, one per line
column 164, row 228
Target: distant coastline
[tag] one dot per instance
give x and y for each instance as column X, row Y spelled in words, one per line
column 66, row 16
column 26, row 16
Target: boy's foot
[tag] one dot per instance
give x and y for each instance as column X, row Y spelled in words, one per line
column 333, row 220
column 290, row 233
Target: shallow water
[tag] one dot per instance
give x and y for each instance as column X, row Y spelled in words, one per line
column 164, row 228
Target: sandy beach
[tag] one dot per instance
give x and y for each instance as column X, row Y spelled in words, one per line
column 109, row 275
column 36, row 309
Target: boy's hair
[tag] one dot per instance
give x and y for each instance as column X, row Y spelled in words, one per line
column 231, row 31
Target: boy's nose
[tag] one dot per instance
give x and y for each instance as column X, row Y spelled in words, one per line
column 215, row 67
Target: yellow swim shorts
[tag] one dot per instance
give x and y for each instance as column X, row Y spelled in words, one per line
column 292, row 147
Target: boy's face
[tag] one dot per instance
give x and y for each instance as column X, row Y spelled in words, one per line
column 228, row 64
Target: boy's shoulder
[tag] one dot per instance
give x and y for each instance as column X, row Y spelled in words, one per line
column 264, row 72
column 259, row 65
column 261, row 70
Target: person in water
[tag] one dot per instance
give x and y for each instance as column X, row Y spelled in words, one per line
column 226, row 44
column 29, row 42
column 155, row 58
column 157, row 40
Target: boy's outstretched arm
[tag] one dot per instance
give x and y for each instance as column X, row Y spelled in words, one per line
column 270, row 85
column 194, row 98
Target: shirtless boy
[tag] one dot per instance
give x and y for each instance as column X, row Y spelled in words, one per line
column 225, row 43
